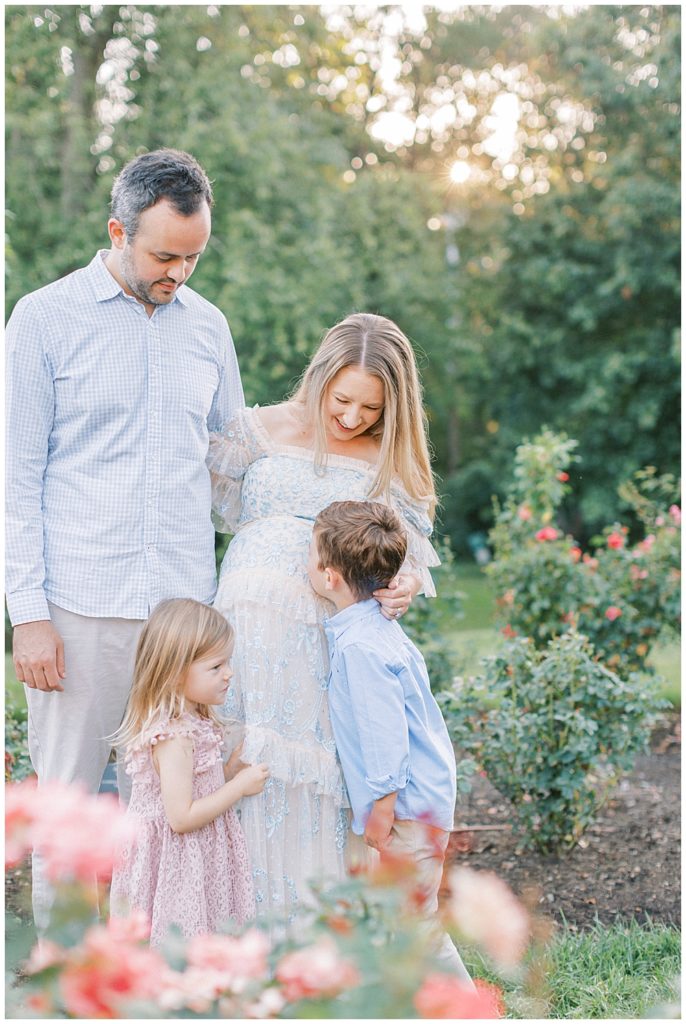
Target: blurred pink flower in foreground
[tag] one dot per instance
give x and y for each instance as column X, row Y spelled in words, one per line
column 675, row 513
column 109, row 970
column 317, row 970
column 443, row 996
column 79, row 835
column 613, row 612
column 19, row 817
column 486, row 912
column 234, row 960
column 217, row 966
column 524, row 513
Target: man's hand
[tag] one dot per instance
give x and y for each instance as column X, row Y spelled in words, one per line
column 38, row 654
column 377, row 831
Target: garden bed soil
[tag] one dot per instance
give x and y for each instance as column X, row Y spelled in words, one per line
column 627, row 865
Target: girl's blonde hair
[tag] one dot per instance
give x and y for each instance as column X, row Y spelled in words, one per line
column 178, row 633
column 377, row 345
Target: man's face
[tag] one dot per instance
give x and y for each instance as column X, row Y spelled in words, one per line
column 163, row 254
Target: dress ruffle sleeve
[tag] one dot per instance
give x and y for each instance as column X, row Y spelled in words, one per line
column 232, row 449
column 421, row 555
column 205, row 735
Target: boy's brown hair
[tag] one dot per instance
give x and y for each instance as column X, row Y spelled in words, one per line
column 362, row 540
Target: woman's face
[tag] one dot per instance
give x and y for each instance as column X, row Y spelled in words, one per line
column 354, row 402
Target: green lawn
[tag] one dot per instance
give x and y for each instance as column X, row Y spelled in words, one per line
column 622, row 971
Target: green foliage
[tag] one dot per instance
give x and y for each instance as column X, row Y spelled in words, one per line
column 552, row 728
column 17, row 761
column 547, row 295
column 425, row 618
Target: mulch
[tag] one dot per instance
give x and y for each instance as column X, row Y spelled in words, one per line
column 627, row 865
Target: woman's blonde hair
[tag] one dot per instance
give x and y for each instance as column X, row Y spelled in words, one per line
column 377, row 345
column 178, row 633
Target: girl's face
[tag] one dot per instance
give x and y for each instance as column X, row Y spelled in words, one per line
column 207, row 680
column 353, row 403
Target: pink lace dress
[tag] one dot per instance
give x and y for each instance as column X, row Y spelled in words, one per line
column 197, row 881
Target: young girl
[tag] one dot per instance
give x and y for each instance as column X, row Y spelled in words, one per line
column 189, row 865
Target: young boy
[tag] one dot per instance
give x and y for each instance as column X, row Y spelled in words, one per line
column 397, row 758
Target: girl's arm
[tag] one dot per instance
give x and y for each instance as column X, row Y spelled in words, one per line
column 174, row 761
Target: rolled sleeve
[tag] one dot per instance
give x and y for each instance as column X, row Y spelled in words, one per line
column 378, row 708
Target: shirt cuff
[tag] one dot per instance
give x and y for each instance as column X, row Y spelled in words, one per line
column 386, row 784
column 27, row 606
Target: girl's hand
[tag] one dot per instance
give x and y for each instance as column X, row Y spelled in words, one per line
column 234, row 764
column 397, row 597
column 253, row 778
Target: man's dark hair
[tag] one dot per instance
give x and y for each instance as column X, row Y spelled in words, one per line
column 163, row 174
column 362, row 540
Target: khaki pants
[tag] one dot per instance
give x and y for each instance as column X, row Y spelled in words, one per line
column 426, row 846
column 68, row 731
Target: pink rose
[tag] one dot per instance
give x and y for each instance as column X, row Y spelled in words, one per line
column 317, row 970
column 613, row 612
column 486, row 911
column 575, row 553
column 547, row 533
column 104, row 974
column 234, row 959
column 524, row 513
column 675, row 513
column 615, row 540
column 445, row 997
column 508, row 631
column 563, row 477
column 79, row 835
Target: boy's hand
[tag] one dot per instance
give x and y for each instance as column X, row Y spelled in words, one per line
column 377, row 831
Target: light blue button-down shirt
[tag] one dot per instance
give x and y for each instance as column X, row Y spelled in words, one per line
column 108, row 413
column 388, row 728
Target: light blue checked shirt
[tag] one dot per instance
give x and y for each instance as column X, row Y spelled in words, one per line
column 108, row 414
column 389, row 730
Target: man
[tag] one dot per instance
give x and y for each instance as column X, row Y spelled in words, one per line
column 115, row 375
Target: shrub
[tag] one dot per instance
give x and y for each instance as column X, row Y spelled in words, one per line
column 552, row 728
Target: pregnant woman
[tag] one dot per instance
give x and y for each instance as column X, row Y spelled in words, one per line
column 354, row 429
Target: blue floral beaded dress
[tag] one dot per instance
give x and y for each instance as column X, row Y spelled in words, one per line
column 268, row 495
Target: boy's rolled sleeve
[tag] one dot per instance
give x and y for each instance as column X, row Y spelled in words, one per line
column 378, row 707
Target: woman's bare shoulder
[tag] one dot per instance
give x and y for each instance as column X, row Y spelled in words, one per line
column 283, row 423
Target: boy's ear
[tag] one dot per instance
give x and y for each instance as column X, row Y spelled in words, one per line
column 332, row 579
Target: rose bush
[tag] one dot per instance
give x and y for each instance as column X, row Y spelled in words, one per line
column 552, row 728
column 568, row 703
column 621, row 595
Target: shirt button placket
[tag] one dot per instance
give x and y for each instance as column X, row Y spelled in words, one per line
column 153, row 466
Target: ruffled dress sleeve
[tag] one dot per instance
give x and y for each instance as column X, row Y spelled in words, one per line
column 206, row 736
column 421, row 556
column 231, row 451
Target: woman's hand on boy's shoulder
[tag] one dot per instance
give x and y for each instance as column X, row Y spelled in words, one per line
column 396, row 598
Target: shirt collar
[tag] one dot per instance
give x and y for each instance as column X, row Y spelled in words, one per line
column 105, row 285
column 343, row 620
